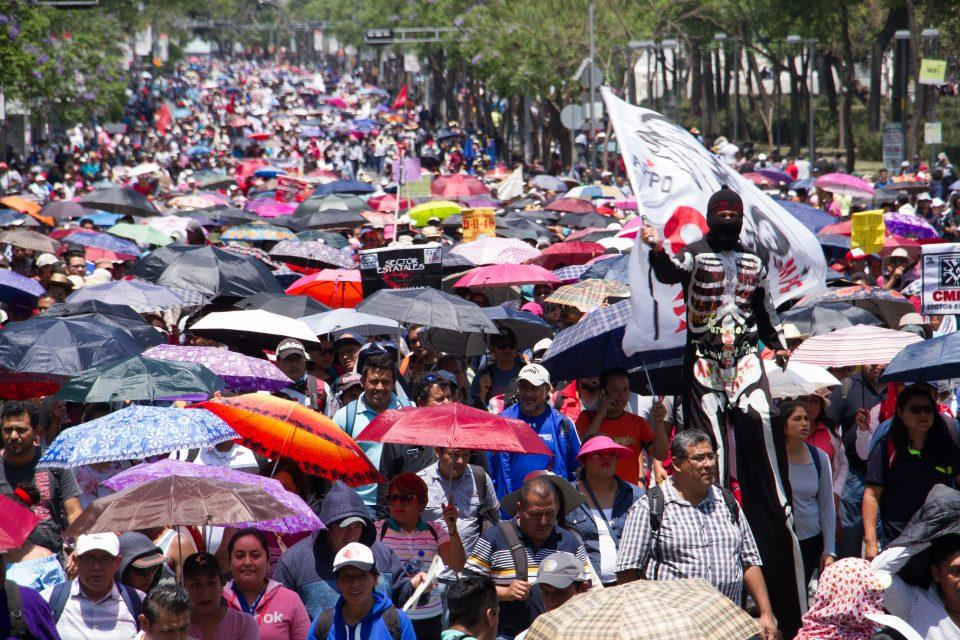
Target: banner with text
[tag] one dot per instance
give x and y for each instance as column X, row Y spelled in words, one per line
column 673, row 177
column 401, row 268
column 940, row 273
column 867, row 231
column 477, row 223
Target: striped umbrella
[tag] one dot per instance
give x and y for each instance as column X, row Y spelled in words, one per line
column 860, row 344
column 30, row 240
column 588, row 294
column 495, row 251
column 258, row 232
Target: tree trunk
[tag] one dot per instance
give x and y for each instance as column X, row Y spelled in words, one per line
column 913, row 72
column 825, row 79
column 795, row 128
column 849, row 81
column 766, row 104
column 893, row 20
column 709, row 98
column 696, row 89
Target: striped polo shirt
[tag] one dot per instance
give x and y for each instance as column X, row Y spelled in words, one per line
column 415, row 550
column 491, row 557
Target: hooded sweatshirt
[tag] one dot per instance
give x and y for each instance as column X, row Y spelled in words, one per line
column 280, row 614
column 307, row 566
column 372, row 627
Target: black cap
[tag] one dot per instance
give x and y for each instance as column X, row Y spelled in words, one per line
column 726, row 199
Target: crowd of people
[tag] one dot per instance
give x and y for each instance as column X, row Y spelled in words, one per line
column 452, row 543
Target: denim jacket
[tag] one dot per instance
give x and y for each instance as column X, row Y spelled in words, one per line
column 581, row 520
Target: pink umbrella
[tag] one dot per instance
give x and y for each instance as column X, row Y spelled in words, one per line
column 270, row 208
column 844, row 184
column 495, row 251
column 506, row 275
column 631, row 228
column 458, row 186
column 627, row 204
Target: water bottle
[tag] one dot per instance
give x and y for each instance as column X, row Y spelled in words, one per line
column 413, row 566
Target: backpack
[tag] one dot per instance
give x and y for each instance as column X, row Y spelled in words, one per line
column 390, row 617
column 131, row 599
column 517, row 551
column 816, row 458
column 18, row 627
column 482, row 484
column 658, row 503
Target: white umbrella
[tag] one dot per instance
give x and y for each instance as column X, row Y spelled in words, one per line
column 144, row 169
column 350, row 321
column 253, row 321
column 856, row 345
column 799, row 379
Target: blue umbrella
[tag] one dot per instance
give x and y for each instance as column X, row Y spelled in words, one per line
column 199, row 150
column 834, row 240
column 269, row 172
column 135, row 432
column 343, row 186
column 15, row 288
column 926, row 361
column 572, row 272
column 10, row 217
column 103, row 218
column 810, row 217
column 103, row 241
column 615, row 268
column 596, row 343
column 803, row 184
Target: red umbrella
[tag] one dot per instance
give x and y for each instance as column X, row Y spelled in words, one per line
column 507, row 275
column 16, row 524
column 760, row 180
column 571, row 205
column 337, row 288
column 458, row 186
column 455, row 426
column 565, row 254
column 248, row 167
column 839, row 228
column 260, row 136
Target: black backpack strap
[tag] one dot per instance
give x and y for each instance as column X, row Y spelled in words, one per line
column 383, row 530
column 391, row 618
column 730, row 501
column 517, row 550
column 482, row 484
column 58, row 599
column 322, row 626
column 657, row 502
column 816, row 458
column 18, row 627
column 133, row 602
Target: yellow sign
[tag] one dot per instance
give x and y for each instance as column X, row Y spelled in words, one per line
column 933, row 71
column 867, row 231
column 478, row 222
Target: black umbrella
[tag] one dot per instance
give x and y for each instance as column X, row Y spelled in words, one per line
column 283, row 304
column 584, row 221
column 117, row 315
column 119, row 200
column 452, row 222
column 49, row 347
column 938, row 517
column 330, row 202
column 454, row 262
column 329, row 219
column 522, row 228
column 63, row 210
column 526, row 327
column 824, row 318
column 213, row 180
column 209, row 270
column 222, row 214
column 429, row 308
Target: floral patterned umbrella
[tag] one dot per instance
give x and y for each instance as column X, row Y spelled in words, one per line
column 909, row 225
column 302, row 519
column 136, row 431
column 311, row 254
column 240, row 372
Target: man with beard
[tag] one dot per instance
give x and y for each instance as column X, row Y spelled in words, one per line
column 728, row 310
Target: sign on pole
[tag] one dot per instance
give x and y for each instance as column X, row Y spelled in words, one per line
column 892, row 145
column 940, row 273
column 932, row 133
column 867, row 231
column 478, row 222
column 401, row 268
column 933, row 71
column 571, row 117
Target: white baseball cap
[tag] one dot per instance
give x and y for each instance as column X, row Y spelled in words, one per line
column 535, row 374
column 47, row 259
column 899, row 252
column 354, row 555
column 108, row 542
column 937, row 202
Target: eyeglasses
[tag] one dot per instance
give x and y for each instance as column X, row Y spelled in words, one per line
column 401, row 498
column 703, row 457
column 917, row 409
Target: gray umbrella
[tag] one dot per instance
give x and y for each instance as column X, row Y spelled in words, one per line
column 119, row 200
column 429, row 308
column 824, row 318
column 526, row 327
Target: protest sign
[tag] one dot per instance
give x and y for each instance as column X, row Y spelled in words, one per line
column 401, row 268
column 477, row 223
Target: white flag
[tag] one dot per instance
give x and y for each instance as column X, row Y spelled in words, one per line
column 512, row 186
column 673, row 177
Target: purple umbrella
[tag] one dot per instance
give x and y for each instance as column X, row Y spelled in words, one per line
column 909, row 225
column 16, row 288
column 776, row 175
column 302, row 519
column 104, row 241
column 240, row 372
column 480, row 202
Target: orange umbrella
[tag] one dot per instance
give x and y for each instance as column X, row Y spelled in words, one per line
column 275, row 428
column 28, row 207
column 336, row 288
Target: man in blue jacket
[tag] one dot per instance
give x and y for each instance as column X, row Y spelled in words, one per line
column 509, row 469
column 307, row 566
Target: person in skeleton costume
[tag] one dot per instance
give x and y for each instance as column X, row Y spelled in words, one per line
column 726, row 395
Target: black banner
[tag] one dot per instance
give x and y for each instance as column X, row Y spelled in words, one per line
column 401, row 268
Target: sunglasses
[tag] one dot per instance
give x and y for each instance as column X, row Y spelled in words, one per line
column 401, row 498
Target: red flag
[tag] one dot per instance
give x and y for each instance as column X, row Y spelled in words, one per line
column 163, row 118
column 401, row 99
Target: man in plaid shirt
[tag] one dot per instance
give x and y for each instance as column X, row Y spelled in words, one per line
column 702, row 533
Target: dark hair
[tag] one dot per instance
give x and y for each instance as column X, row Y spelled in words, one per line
column 166, row 598
column 381, row 361
column 200, row 564
column 421, row 388
column 938, row 439
column 249, row 531
column 686, row 439
column 612, row 372
column 17, row 408
column 469, row 598
column 943, row 548
column 786, row 410
column 288, row 466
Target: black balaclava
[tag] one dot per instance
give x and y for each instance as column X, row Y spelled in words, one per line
column 724, row 233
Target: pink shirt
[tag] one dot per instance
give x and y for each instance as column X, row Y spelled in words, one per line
column 236, row 625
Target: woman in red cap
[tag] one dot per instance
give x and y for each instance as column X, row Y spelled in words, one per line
column 607, row 499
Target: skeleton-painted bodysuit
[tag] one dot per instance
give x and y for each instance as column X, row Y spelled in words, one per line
column 725, row 388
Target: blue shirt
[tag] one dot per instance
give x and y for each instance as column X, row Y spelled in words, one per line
column 353, row 419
